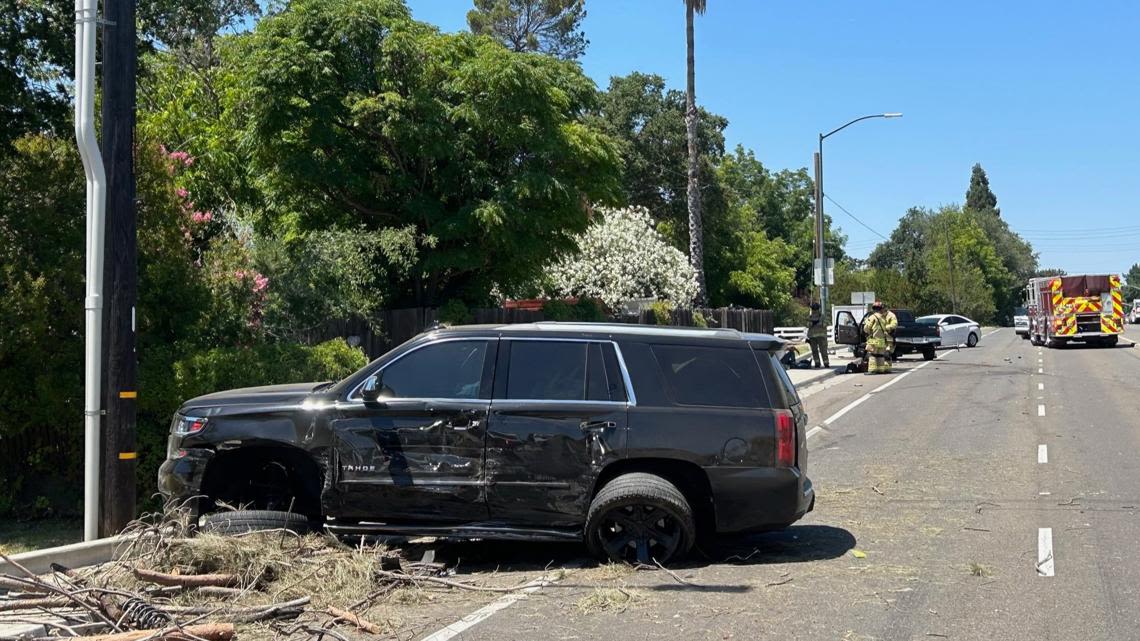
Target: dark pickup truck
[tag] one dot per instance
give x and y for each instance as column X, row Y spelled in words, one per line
column 910, row 337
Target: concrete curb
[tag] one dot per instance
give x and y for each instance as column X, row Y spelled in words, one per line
column 76, row 555
column 812, row 382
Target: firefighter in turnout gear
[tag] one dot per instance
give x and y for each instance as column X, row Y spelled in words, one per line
column 817, row 337
column 879, row 327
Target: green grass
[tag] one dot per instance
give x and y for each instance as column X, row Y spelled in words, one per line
column 23, row 536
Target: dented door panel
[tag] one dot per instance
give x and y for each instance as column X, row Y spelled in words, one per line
column 409, row 459
column 543, row 458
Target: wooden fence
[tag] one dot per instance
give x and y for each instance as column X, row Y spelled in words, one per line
column 395, row 326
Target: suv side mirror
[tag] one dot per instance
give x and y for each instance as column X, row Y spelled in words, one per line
column 370, row 392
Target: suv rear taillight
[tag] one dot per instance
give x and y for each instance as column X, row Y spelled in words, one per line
column 785, row 439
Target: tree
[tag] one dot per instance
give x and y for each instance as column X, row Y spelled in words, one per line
column 1132, row 282
column 479, row 149
column 548, row 26
column 696, row 241
column 978, row 196
column 35, row 55
column 622, row 257
column 648, row 122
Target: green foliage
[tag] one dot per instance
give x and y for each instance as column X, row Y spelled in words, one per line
column 792, row 313
column 589, row 310
column 552, row 27
column 454, row 312
column 699, row 319
column 234, row 367
column 648, row 122
column 36, row 53
column 979, row 197
column 584, row 310
column 949, row 260
column 662, row 312
column 479, row 149
column 1132, row 280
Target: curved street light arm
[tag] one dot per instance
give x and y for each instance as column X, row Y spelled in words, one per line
column 837, row 130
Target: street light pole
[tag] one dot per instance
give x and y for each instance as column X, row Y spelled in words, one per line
column 819, row 194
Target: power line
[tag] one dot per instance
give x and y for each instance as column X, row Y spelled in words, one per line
column 844, row 210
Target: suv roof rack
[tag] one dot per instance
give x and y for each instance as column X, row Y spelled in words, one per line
column 630, row 328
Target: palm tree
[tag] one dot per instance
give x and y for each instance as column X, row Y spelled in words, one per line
column 696, row 233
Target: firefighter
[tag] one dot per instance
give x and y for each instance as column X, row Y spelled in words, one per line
column 817, row 337
column 879, row 326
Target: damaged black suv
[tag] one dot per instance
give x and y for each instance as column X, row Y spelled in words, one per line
column 632, row 439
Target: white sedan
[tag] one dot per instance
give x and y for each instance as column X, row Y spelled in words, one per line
column 955, row 330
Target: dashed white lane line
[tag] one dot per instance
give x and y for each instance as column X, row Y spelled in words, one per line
column 862, row 399
column 1040, row 410
column 1040, row 386
column 1040, row 370
column 1042, row 453
column 484, row 613
column 1045, row 551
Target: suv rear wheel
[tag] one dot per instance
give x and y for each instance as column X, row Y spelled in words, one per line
column 640, row 518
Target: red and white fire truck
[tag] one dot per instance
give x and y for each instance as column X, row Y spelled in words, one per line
column 1086, row 307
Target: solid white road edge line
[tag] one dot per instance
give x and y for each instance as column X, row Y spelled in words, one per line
column 1045, row 551
column 484, row 613
column 853, row 404
column 1040, row 410
column 993, row 332
column 1042, row 453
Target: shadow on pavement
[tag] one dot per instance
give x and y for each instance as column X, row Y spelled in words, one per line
column 796, row 544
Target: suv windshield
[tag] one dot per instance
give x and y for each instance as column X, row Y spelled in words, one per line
column 1019, row 311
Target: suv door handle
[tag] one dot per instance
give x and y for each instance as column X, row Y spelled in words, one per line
column 464, row 422
column 595, row 426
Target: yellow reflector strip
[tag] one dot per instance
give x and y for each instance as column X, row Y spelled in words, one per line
column 128, row 394
column 128, row 456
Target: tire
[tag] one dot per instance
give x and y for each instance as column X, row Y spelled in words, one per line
column 928, row 355
column 618, row 512
column 972, row 340
column 1111, row 341
column 243, row 521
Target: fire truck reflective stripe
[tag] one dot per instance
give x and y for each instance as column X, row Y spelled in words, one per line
column 1114, row 280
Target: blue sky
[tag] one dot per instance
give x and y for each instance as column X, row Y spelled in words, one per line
column 1044, row 94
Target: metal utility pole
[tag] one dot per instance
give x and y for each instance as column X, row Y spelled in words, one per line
column 819, row 230
column 120, row 363
column 819, row 195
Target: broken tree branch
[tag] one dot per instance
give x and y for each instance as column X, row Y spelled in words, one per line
column 207, row 631
column 355, row 620
column 187, row 580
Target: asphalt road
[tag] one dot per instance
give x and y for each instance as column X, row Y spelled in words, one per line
column 935, row 494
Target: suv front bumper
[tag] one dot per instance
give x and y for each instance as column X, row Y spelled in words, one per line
column 756, row 499
column 181, row 478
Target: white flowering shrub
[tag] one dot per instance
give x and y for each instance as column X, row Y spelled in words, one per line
column 622, row 257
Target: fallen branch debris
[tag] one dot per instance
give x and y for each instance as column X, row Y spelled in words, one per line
column 189, row 580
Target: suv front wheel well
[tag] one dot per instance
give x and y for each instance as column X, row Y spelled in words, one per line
column 264, row 477
column 687, row 476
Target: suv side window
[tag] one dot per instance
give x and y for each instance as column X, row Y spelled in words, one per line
column 451, row 369
column 713, row 376
column 553, row 370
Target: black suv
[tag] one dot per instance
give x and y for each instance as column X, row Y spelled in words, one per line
column 630, row 438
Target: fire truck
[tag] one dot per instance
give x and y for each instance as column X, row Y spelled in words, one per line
column 1087, row 308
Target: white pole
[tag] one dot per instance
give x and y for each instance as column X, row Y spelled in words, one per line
column 86, row 14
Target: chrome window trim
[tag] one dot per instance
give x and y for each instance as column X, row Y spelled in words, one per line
column 353, row 395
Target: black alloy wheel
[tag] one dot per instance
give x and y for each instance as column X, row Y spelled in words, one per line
column 640, row 518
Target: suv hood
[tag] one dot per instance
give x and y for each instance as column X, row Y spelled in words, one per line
column 289, row 393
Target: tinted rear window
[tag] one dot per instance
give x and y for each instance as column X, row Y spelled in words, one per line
column 904, row 315
column 557, row 371
column 712, row 376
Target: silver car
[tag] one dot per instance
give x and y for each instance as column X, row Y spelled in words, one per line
column 955, row 330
